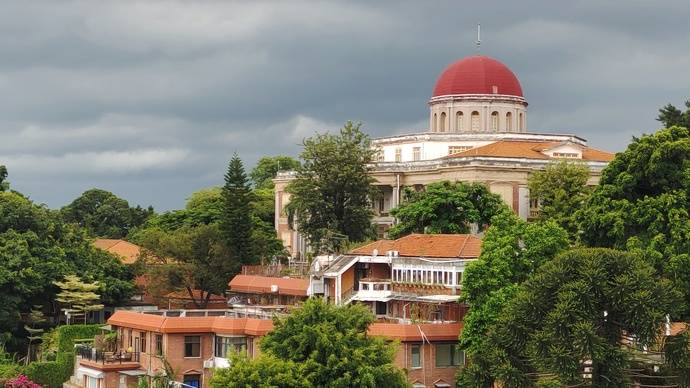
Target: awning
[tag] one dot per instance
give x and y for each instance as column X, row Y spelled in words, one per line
column 133, row 372
column 96, row 374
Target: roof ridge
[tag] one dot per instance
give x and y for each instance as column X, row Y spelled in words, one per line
column 463, row 246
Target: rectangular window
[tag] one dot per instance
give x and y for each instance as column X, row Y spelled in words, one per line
column 143, row 342
column 192, row 346
column 458, row 149
column 159, row 344
column 458, row 278
column 381, row 308
column 131, row 337
column 380, row 156
column 192, row 380
column 398, row 155
column 569, row 155
column 416, row 153
column 449, row 355
column 227, row 345
column 416, row 356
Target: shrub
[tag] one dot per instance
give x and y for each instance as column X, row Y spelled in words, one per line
column 21, row 381
column 8, row 371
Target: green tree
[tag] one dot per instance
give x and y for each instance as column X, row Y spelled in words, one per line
column 642, row 202
column 332, row 191
column 202, row 261
column 265, row 371
column 561, row 189
column 268, row 167
column 596, row 305
column 671, row 116
column 332, row 347
column 104, row 214
column 79, row 296
column 512, row 250
column 236, row 224
column 445, row 207
column 4, row 185
column 38, row 248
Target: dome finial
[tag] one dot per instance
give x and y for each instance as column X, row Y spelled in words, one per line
column 479, row 37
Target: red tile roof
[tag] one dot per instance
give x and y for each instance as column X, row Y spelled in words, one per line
column 126, row 251
column 262, row 285
column 527, row 150
column 427, row 245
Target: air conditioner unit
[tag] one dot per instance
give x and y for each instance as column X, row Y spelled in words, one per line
column 274, row 288
column 208, row 364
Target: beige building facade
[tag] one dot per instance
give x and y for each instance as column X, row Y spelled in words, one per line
column 477, row 133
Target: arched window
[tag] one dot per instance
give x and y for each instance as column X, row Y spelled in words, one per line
column 494, row 121
column 442, row 124
column 475, row 121
column 509, row 122
column 433, row 124
column 521, row 123
column 459, row 122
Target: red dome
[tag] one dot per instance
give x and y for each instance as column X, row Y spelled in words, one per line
column 477, row 75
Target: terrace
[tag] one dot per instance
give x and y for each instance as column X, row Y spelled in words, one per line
column 121, row 359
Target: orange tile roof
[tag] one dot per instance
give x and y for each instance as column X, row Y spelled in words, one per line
column 528, row 150
column 411, row 332
column 262, row 285
column 427, row 245
column 678, row 327
column 161, row 324
column 259, row 327
column 597, row 155
column 126, row 251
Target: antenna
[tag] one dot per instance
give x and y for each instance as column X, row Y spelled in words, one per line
column 479, row 36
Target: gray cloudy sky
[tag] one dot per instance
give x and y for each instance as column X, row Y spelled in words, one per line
column 150, row 99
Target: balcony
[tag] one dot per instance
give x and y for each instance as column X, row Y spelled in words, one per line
column 118, row 360
column 374, row 289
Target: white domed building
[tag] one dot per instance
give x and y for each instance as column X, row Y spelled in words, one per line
column 477, row 133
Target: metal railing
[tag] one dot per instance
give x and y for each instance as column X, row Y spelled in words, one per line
column 101, row 357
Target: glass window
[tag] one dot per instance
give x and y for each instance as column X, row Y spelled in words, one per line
column 192, row 346
column 459, row 124
column 159, row 344
column 449, row 355
column 416, row 356
column 381, row 308
column 143, row 342
column 494, row 121
column 509, row 121
column 458, row 278
column 398, row 155
column 416, row 153
column 442, row 124
column 226, row 345
column 474, row 118
column 192, row 380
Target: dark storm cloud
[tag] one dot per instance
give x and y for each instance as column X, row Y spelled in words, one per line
column 150, row 99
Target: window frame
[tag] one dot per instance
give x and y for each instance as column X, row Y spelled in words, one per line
column 189, row 343
column 159, row 345
column 455, row 354
column 419, row 356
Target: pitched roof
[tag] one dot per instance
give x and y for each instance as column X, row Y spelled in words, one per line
column 427, row 245
column 125, row 250
column 259, row 327
column 262, row 285
column 527, row 150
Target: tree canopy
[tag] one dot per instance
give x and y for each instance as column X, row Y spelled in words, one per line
column 268, row 167
column 38, row 248
column 445, row 207
column 642, row 203
column 332, row 191
column 4, row 185
column 587, row 305
column 236, row 222
column 561, row 189
column 671, row 116
column 104, row 214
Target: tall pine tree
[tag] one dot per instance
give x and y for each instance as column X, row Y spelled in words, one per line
column 236, row 222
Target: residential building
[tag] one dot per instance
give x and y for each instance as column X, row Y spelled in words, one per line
column 477, row 133
column 194, row 342
column 416, row 278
